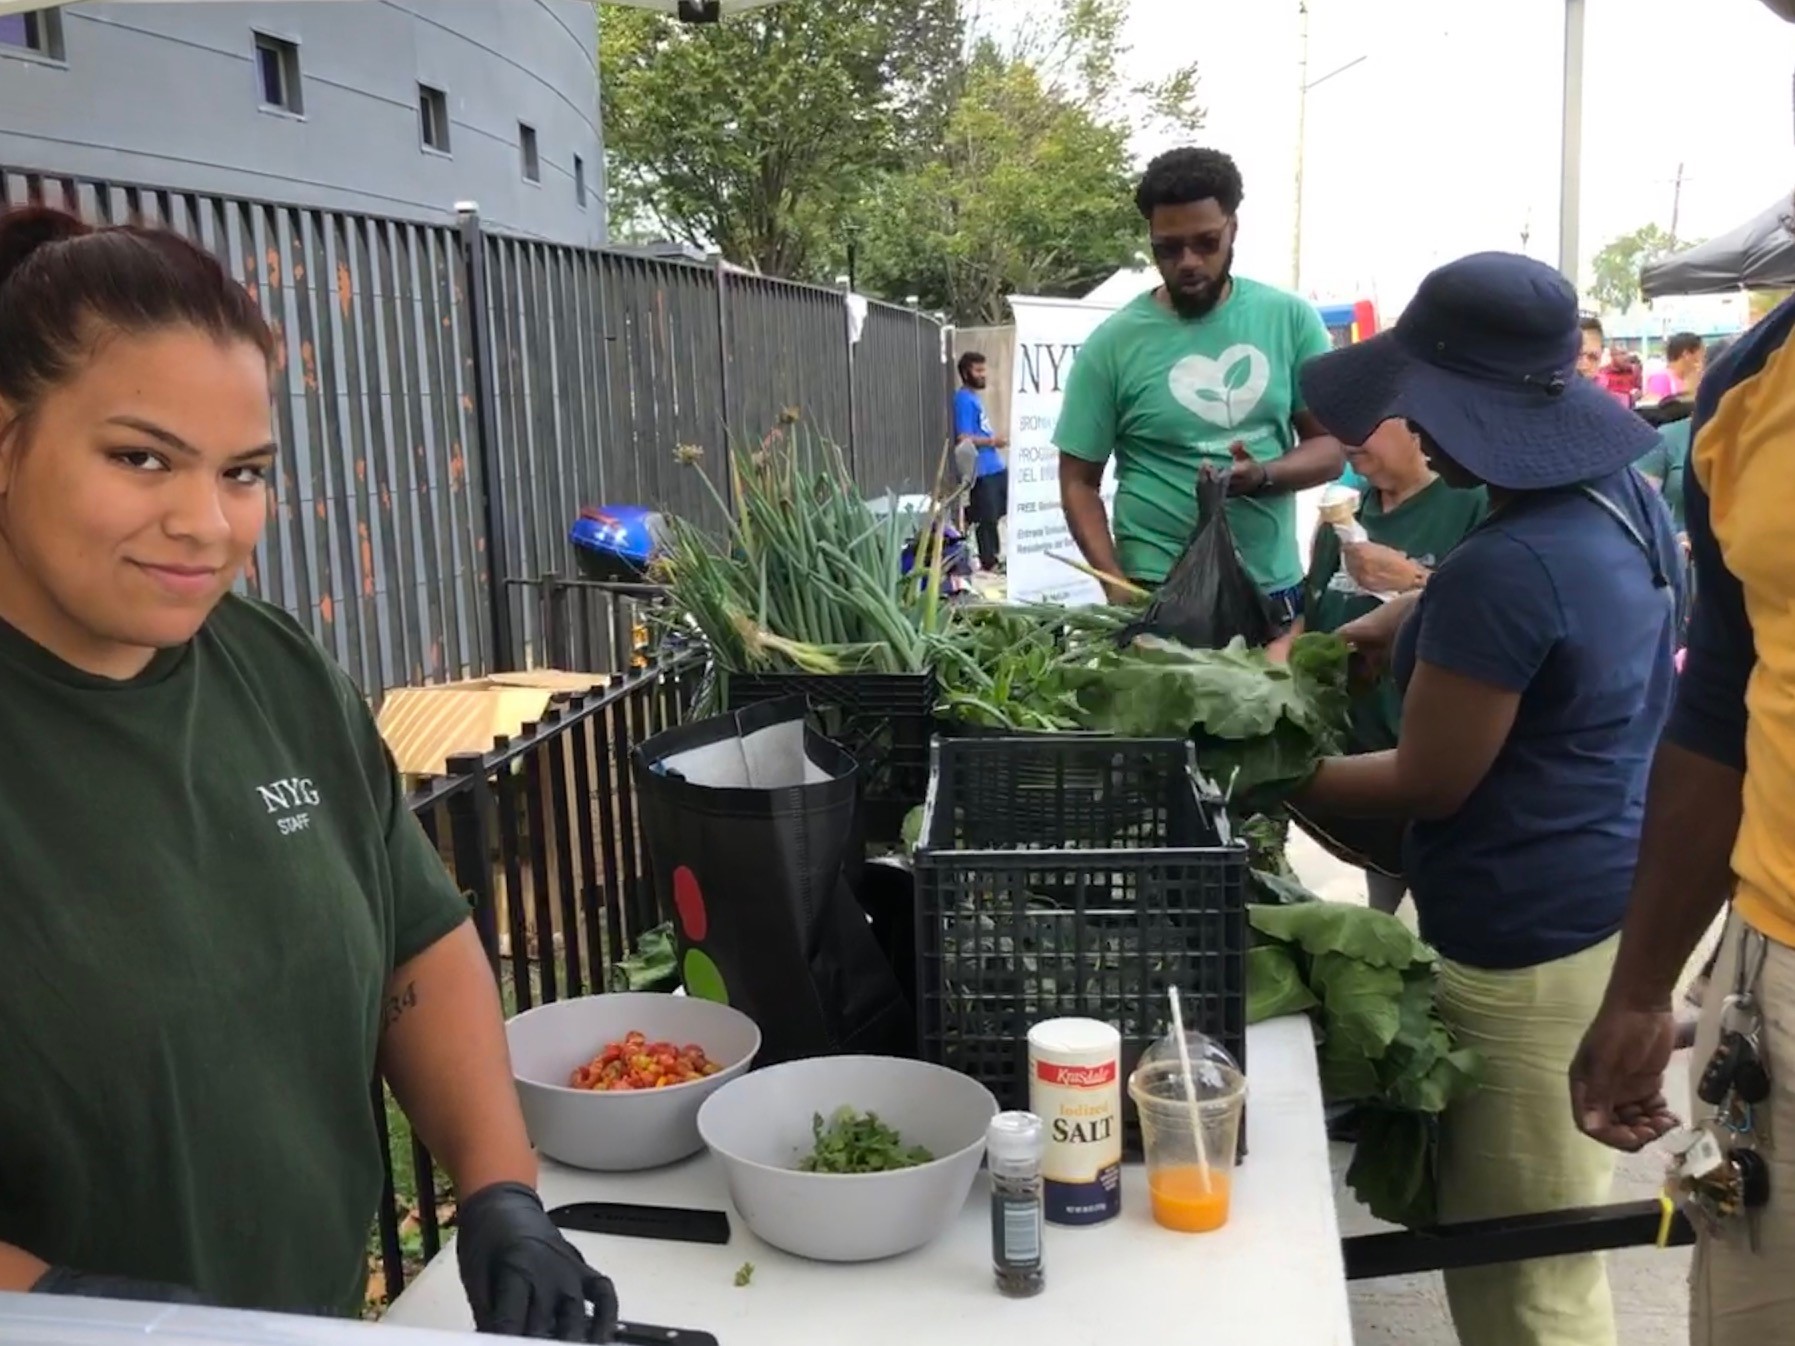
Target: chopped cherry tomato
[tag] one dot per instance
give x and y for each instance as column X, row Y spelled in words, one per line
column 637, row 1063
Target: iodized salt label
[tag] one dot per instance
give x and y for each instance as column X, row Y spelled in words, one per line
column 1075, row 1088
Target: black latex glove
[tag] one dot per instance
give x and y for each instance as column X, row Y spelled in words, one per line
column 522, row 1278
column 96, row 1285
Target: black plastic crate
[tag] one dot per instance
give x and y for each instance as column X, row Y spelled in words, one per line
column 1073, row 875
column 884, row 720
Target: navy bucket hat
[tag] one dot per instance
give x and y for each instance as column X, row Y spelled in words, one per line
column 1484, row 359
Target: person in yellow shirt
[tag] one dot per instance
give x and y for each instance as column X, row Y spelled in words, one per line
column 1720, row 822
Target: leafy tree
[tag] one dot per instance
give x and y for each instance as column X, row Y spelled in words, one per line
column 1031, row 188
column 1759, row 303
column 758, row 135
column 1028, row 195
column 816, row 137
column 1617, row 265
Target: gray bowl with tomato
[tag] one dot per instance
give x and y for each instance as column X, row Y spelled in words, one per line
column 595, row 1098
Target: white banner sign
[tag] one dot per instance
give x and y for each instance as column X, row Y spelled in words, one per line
column 1048, row 335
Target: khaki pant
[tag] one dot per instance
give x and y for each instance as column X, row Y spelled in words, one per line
column 1738, row 1297
column 1512, row 1148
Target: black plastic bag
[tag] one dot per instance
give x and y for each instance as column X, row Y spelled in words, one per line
column 756, row 851
column 1208, row 598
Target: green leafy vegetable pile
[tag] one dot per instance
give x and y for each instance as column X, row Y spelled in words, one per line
column 804, row 577
column 1005, row 666
column 1258, row 725
column 1369, row 984
column 855, row 1142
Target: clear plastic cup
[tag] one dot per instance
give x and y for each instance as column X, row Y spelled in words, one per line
column 1188, row 1185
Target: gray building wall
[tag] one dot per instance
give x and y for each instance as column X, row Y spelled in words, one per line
column 169, row 95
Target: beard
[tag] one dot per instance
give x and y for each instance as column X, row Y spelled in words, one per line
column 1193, row 306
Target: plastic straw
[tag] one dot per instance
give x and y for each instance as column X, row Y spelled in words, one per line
column 1190, row 1086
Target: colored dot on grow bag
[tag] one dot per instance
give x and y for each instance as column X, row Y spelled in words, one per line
column 688, row 902
column 703, row 979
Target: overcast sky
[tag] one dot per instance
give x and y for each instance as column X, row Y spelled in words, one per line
column 1445, row 139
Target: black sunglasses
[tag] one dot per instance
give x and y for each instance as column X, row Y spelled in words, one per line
column 1173, row 249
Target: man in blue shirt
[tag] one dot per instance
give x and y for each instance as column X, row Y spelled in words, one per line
column 990, row 474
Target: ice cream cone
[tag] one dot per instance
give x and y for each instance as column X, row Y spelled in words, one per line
column 1339, row 504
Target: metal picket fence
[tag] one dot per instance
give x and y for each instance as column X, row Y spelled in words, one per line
column 542, row 835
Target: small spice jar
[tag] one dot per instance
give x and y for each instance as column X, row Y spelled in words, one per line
column 1013, row 1145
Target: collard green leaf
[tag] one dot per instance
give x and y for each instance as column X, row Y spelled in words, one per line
column 1421, row 1041
column 1384, row 1044
column 1393, row 1168
column 1259, row 771
column 1267, row 836
column 653, row 966
column 1451, row 1077
column 1275, row 985
column 1272, row 887
column 1340, row 927
column 1321, row 663
column 1347, row 1074
column 1156, row 687
column 1363, row 1002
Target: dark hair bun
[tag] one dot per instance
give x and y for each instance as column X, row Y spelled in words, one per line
column 124, row 277
column 25, row 230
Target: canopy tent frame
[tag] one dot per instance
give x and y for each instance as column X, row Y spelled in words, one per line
column 1757, row 255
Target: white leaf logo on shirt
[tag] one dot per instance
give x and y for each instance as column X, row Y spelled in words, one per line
column 1223, row 391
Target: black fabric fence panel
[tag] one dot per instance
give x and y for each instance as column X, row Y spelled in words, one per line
column 902, row 401
column 788, row 349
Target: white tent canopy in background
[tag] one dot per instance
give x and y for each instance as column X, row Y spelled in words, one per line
column 1129, row 283
column 692, row 11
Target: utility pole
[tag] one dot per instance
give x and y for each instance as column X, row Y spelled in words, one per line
column 1676, row 207
column 1302, row 126
column 1570, row 165
column 1303, row 85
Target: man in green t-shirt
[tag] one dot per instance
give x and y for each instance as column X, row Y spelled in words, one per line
column 1199, row 373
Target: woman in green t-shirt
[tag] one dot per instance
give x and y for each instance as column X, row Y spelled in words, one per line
column 220, row 923
column 1411, row 519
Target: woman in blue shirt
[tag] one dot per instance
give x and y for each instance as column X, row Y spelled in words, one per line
column 1536, row 668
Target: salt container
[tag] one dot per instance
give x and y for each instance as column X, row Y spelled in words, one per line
column 1075, row 1088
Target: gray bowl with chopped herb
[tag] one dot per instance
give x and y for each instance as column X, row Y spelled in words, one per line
column 849, row 1158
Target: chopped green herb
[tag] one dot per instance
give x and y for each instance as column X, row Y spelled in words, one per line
column 853, row 1142
column 743, row 1274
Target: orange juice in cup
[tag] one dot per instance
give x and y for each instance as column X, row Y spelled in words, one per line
column 1184, row 1201
column 1189, row 1133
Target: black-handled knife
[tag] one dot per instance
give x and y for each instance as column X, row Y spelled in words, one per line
column 679, row 1224
column 646, row 1334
